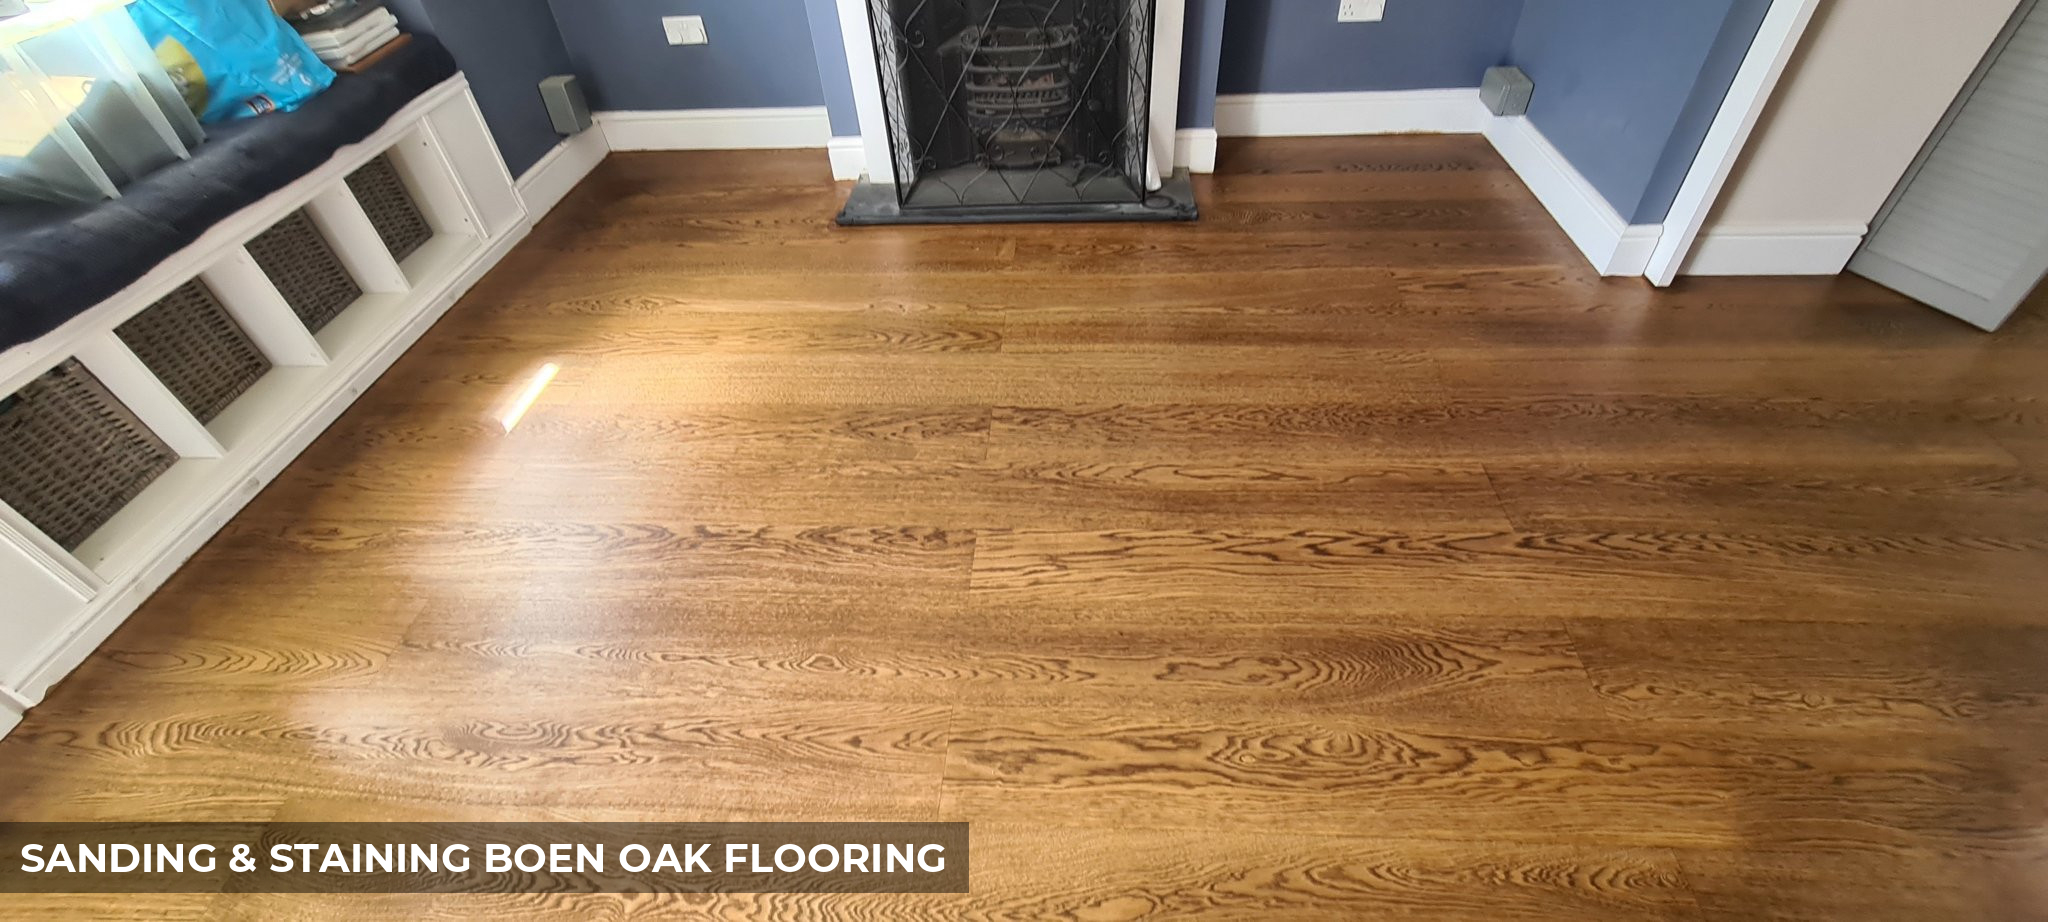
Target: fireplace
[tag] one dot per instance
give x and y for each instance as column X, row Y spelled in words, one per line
column 1016, row 110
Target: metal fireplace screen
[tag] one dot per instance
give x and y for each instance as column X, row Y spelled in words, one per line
column 994, row 103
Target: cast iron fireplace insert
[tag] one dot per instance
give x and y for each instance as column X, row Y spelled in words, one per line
column 1015, row 110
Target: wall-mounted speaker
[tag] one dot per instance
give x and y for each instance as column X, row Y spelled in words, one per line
column 1506, row 91
column 566, row 105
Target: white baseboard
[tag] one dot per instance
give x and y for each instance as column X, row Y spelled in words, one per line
column 1265, row 115
column 1195, row 149
column 717, row 129
column 1775, row 250
column 849, row 157
column 12, row 706
column 544, row 184
column 1614, row 246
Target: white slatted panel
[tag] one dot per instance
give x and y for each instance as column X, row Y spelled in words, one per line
column 1976, row 216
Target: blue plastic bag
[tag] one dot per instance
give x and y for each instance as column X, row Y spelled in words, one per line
column 231, row 58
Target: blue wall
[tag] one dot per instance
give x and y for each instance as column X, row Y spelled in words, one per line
column 1625, row 89
column 830, row 48
column 760, row 54
column 1297, row 46
column 1723, row 60
column 505, row 47
column 1201, row 55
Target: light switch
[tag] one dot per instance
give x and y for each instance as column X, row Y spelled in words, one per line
column 684, row 30
column 1361, row 10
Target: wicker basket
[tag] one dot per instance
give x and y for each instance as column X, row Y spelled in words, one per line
column 191, row 344
column 71, row 455
column 305, row 270
column 384, row 198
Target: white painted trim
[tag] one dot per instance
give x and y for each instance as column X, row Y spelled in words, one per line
column 1632, row 250
column 716, row 129
column 1195, row 149
column 1775, row 250
column 1744, row 105
column 19, row 535
column 549, row 180
column 11, row 707
column 145, row 395
column 859, row 39
column 254, row 302
column 341, row 219
column 849, row 157
column 1267, row 115
column 1612, row 245
column 1168, row 18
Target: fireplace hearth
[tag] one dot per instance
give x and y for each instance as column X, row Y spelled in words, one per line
column 1016, row 110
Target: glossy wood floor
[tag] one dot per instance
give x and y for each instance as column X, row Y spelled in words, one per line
column 1352, row 553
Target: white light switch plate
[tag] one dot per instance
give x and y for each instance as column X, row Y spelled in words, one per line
column 1361, row 10
column 684, row 30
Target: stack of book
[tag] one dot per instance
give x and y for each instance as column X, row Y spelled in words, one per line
column 346, row 33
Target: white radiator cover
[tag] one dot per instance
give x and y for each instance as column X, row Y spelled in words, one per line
column 1966, row 231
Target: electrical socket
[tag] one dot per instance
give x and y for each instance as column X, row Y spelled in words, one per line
column 1361, row 10
column 685, row 30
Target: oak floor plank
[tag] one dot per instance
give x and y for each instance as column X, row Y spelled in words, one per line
column 1877, row 497
column 1901, row 579
column 1792, row 886
column 1556, row 430
column 1441, row 669
column 1929, row 374
column 1838, row 675
column 1564, row 781
column 1082, row 872
column 677, row 754
column 1015, row 488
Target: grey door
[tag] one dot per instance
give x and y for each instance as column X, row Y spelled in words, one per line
column 1967, row 229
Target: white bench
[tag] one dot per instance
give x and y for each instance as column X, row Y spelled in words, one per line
column 58, row 605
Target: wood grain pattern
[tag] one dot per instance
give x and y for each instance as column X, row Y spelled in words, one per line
column 1356, row 552
column 1566, row 784
column 1444, row 669
column 1040, row 872
column 1909, row 578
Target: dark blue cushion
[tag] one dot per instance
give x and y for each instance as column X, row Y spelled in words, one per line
column 58, row 261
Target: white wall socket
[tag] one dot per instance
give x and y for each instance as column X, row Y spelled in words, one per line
column 1361, row 10
column 685, row 30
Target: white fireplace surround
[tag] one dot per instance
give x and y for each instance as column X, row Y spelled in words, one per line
column 1169, row 15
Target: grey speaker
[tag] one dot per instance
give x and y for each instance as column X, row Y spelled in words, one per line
column 566, row 105
column 1506, row 91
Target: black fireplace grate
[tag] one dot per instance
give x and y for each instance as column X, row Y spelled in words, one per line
column 1004, row 103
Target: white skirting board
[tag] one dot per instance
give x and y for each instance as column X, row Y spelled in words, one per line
column 1195, row 149
column 1272, row 115
column 1614, row 246
column 1775, row 250
column 12, row 706
column 716, row 129
column 849, row 157
column 548, row 181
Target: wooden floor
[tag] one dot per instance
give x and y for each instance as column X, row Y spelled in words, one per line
column 1353, row 553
